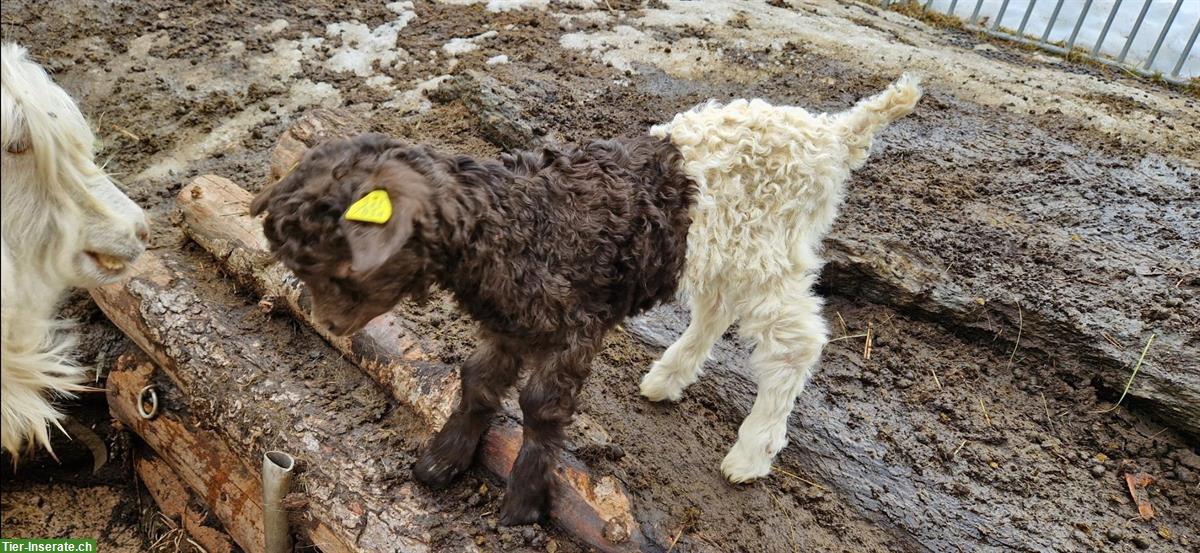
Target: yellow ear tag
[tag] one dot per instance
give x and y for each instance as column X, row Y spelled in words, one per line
column 375, row 207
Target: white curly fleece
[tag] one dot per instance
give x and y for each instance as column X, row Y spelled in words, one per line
column 770, row 180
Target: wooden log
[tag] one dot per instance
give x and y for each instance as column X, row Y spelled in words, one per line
column 595, row 510
column 251, row 397
column 178, row 504
column 198, row 457
column 315, row 126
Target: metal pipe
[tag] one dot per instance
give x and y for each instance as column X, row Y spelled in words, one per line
column 1087, row 6
column 999, row 16
column 1186, row 50
column 1053, row 20
column 1025, row 19
column 1107, row 24
column 277, row 480
column 1137, row 25
column 975, row 14
column 953, row 4
column 1163, row 35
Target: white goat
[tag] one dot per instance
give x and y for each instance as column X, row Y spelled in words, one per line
column 65, row 224
column 770, row 180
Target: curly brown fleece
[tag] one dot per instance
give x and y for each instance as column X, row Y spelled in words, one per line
column 547, row 250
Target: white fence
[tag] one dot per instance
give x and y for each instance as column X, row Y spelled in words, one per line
column 1150, row 37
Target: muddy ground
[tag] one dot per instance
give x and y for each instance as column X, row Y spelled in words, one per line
column 1011, row 246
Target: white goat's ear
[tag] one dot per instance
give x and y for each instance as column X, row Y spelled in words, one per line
column 372, row 244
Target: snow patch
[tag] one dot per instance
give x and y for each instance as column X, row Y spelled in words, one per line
column 459, row 46
column 273, row 28
column 362, row 47
column 283, row 61
column 510, row 5
column 414, row 100
column 624, row 45
column 379, row 81
column 497, row 6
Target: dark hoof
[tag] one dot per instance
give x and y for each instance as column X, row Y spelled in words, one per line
column 518, row 512
column 437, row 473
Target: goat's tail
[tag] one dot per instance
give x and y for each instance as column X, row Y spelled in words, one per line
column 29, row 381
column 861, row 123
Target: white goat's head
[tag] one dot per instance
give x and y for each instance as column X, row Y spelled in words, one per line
column 63, row 217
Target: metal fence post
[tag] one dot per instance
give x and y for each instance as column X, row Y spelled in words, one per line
column 1186, row 50
column 1053, row 20
column 1025, row 20
column 1163, row 35
column 1078, row 25
column 1137, row 26
column 1107, row 24
column 1000, row 16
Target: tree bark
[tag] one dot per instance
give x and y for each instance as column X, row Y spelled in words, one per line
column 216, row 216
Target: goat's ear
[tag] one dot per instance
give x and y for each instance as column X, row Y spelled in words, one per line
column 372, row 244
column 260, row 200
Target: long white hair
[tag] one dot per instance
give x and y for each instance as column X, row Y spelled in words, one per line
column 65, row 224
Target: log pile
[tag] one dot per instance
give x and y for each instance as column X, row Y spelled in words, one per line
column 232, row 397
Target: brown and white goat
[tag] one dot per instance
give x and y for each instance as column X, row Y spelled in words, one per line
column 549, row 250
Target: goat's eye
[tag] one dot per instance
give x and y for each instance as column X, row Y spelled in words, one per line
column 18, row 146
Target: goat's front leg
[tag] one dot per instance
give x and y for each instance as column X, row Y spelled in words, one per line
column 547, row 405
column 486, row 377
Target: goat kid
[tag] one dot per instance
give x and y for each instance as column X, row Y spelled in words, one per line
column 65, row 224
column 547, row 250
column 770, row 181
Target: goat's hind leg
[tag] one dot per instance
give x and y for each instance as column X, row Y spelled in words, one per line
column 681, row 364
column 789, row 334
column 486, row 377
column 547, row 406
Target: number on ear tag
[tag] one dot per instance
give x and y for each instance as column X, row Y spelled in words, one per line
column 375, row 207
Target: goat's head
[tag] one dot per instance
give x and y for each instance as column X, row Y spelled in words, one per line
column 356, row 270
column 61, row 211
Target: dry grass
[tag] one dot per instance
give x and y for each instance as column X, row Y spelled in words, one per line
column 167, row 536
column 913, row 9
column 800, row 478
column 1020, row 329
column 1132, row 375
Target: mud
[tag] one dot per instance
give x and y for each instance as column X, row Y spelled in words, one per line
column 1024, row 198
